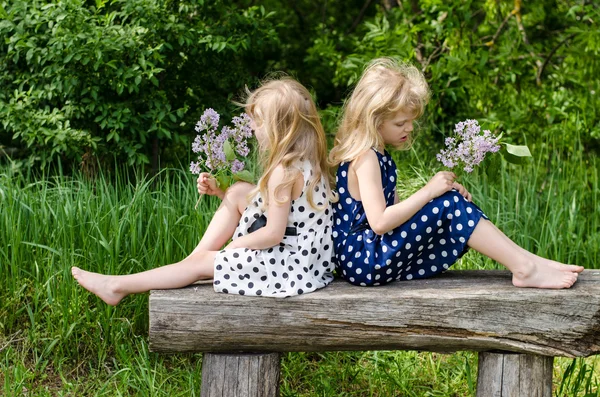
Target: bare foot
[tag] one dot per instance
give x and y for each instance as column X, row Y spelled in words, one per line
column 545, row 275
column 562, row 266
column 536, row 258
column 98, row 284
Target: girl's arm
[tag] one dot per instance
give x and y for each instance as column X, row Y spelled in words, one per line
column 277, row 217
column 382, row 219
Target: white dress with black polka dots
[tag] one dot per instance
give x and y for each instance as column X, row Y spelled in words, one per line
column 299, row 264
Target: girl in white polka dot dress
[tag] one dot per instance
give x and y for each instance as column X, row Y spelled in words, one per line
column 378, row 239
column 282, row 242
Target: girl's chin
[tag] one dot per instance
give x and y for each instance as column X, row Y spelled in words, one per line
column 401, row 144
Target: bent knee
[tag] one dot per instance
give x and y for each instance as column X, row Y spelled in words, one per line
column 454, row 196
column 238, row 194
column 240, row 188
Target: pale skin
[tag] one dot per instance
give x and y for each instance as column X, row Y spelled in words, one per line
column 364, row 184
column 199, row 265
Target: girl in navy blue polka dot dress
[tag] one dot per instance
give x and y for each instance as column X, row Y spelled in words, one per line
column 281, row 229
column 378, row 239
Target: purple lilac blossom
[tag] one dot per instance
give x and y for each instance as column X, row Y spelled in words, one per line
column 242, row 125
column 210, row 146
column 195, row 168
column 237, row 166
column 208, row 121
column 468, row 148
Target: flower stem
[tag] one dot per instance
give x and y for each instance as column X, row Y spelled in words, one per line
column 198, row 202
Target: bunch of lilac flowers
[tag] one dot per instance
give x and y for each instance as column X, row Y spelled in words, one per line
column 217, row 150
column 468, row 147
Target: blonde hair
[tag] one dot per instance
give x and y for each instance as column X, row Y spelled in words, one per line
column 289, row 117
column 386, row 86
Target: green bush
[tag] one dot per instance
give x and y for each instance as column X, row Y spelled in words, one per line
column 129, row 78
column 121, row 77
column 528, row 70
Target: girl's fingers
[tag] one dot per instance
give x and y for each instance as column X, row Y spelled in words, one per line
column 203, row 177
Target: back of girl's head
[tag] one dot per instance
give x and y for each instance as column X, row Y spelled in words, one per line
column 385, row 87
column 285, row 111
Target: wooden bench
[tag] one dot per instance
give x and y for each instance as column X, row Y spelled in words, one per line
column 517, row 331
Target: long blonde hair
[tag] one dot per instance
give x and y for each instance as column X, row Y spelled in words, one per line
column 286, row 111
column 385, row 87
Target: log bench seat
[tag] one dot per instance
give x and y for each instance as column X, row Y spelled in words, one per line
column 517, row 331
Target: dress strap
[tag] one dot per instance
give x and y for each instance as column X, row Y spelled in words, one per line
column 306, row 168
column 377, row 151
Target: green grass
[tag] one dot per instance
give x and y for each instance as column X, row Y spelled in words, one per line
column 57, row 339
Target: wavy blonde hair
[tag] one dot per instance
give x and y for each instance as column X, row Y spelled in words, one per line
column 286, row 111
column 386, row 86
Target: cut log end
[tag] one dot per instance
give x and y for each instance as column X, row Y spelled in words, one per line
column 248, row 375
column 505, row 374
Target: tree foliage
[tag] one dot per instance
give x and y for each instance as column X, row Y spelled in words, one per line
column 527, row 69
column 129, row 78
column 122, row 76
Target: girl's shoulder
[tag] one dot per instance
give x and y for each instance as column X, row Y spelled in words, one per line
column 368, row 157
column 296, row 170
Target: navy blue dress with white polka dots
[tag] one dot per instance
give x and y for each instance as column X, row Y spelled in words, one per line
column 425, row 245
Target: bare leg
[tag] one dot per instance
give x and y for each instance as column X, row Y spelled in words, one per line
column 199, row 265
column 528, row 269
column 550, row 262
column 111, row 289
column 226, row 218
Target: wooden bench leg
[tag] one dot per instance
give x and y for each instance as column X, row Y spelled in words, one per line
column 240, row 375
column 514, row 375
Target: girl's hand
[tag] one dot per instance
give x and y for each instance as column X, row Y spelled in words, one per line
column 208, row 185
column 461, row 189
column 441, row 183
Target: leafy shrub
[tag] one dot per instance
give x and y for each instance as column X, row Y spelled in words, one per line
column 120, row 77
column 129, row 78
column 530, row 70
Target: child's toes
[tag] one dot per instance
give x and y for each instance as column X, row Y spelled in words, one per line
column 572, row 278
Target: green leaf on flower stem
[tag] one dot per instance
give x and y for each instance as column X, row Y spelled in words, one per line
column 244, row 175
column 228, row 149
column 515, row 154
column 223, row 181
